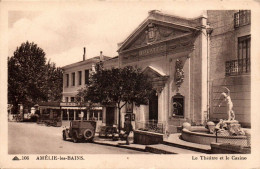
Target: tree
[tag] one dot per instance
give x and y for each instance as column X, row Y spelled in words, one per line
column 54, row 81
column 30, row 78
column 117, row 86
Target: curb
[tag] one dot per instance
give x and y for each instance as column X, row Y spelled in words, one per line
column 157, row 150
column 121, row 146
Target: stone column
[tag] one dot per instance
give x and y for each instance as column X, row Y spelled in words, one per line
column 87, row 114
column 204, row 71
column 61, row 114
column 98, row 115
column 68, row 113
column 82, row 115
column 74, row 115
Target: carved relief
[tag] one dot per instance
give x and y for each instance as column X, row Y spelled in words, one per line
column 154, row 33
column 179, row 74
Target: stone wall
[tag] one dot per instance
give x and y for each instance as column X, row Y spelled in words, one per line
column 223, row 47
column 240, row 92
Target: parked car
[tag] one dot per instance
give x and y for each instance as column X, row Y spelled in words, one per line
column 109, row 132
column 80, row 131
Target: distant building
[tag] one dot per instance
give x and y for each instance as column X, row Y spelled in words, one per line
column 75, row 77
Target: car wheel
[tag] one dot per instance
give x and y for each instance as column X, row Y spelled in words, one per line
column 88, row 134
column 64, row 136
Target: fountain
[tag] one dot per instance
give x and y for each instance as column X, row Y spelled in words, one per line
column 225, row 131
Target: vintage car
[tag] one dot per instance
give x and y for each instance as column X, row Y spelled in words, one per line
column 80, row 131
column 109, row 131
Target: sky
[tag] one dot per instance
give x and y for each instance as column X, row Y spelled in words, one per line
column 98, row 26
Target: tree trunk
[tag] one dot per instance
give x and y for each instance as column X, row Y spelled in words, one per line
column 119, row 116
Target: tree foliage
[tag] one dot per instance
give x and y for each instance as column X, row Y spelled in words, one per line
column 30, row 78
column 117, row 86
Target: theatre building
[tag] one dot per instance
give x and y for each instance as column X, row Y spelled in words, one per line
column 172, row 51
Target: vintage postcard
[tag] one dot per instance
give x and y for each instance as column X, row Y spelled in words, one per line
column 129, row 84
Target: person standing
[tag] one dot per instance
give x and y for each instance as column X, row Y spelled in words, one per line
column 128, row 128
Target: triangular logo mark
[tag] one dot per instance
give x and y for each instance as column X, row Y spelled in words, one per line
column 15, row 158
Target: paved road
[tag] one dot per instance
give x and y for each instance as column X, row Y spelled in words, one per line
column 31, row 138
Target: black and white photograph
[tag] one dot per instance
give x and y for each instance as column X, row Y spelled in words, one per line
column 129, row 84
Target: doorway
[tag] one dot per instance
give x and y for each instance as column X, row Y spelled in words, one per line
column 153, row 107
column 110, row 116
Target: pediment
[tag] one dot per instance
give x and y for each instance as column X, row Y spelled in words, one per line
column 153, row 73
column 153, row 32
column 156, row 77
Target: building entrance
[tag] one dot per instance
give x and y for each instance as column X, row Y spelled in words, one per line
column 153, row 107
column 110, row 116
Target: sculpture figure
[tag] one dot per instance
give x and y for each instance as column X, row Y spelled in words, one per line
column 229, row 104
column 179, row 74
column 221, row 126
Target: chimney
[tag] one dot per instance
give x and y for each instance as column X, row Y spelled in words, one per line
column 84, row 52
column 101, row 57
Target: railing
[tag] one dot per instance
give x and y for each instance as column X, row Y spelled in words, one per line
column 236, row 67
column 245, row 142
column 152, row 126
column 241, row 18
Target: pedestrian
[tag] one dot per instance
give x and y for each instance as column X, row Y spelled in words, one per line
column 128, row 128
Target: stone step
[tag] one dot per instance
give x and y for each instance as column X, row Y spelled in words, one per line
column 166, row 149
column 174, row 140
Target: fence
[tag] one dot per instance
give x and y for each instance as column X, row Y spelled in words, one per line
column 152, row 126
column 244, row 141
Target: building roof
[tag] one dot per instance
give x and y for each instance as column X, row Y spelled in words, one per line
column 158, row 17
column 90, row 60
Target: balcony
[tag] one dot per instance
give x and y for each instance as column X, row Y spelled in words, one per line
column 237, row 67
column 241, row 18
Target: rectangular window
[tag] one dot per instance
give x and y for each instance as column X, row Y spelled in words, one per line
column 67, row 80
column 72, row 99
column 86, row 76
column 73, row 79
column 244, row 47
column 241, row 18
column 95, row 115
column 242, row 63
column 66, row 99
column 79, row 76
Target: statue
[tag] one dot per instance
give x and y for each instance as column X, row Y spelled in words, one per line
column 231, row 126
column 229, row 104
column 221, row 126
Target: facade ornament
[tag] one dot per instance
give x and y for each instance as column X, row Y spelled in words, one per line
column 179, row 74
column 151, row 33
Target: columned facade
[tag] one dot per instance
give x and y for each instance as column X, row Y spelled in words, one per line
column 172, row 51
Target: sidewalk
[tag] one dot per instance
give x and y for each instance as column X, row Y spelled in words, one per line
column 170, row 145
column 119, row 143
